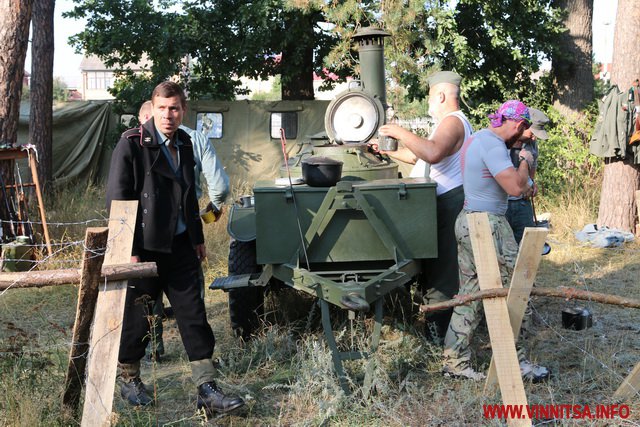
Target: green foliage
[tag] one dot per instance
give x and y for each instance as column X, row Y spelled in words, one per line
column 601, row 87
column 26, row 93
column 564, row 161
column 273, row 95
column 496, row 46
column 206, row 44
column 60, row 93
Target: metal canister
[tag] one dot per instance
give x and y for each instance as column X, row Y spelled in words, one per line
column 17, row 255
column 386, row 143
column 576, row 318
column 209, row 214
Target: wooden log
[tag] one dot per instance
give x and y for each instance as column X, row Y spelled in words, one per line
column 95, row 240
column 496, row 314
column 107, row 326
column 560, row 292
column 38, row 279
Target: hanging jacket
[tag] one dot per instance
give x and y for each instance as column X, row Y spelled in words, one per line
column 614, row 128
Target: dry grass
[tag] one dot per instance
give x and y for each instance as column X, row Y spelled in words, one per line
column 286, row 376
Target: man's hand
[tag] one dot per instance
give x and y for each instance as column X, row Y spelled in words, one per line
column 527, row 156
column 135, row 259
column 392, row 130
column 528, row 193
column 201, row 252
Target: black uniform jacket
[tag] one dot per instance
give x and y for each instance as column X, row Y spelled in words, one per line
column 141, row 171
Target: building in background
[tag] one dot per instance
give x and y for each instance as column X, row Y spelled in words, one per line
column 97, row 78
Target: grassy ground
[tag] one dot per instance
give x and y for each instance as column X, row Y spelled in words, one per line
column 285, row 375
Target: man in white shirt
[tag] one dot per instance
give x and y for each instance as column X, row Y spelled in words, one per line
column 439, row 278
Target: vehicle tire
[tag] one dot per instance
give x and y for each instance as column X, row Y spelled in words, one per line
column 246, row 305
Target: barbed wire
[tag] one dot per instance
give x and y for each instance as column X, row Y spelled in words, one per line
column 57, row 224
column 65, row 245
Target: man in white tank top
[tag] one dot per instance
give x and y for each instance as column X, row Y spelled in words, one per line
column 439, row 278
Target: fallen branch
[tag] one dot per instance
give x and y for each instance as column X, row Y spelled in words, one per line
column 561, row 292
column 38, row 279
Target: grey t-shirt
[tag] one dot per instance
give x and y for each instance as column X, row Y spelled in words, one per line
column 483, row 156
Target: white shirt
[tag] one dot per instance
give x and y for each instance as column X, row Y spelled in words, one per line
column 446, row 173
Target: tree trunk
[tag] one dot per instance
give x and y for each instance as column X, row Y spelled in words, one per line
column 574, row 75
column 40, row 130
column 14, row 37
column 297, row 58
column 621, row 178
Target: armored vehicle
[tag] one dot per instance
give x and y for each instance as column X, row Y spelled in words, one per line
column 348, row 243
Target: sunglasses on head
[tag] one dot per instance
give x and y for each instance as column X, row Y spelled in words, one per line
column 527, row 123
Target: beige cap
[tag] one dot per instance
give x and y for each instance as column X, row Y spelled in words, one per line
column 538, row 121
column 444, row 77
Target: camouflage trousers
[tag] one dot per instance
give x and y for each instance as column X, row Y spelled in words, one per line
column 465, row 319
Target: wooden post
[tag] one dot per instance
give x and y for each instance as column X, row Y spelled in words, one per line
column 95, row 243
column 629, row 387
column 107, row 327
column 524, row 274
column 497, row 315
column 34, row 176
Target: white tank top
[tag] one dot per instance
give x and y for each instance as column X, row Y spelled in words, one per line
column 446, row 173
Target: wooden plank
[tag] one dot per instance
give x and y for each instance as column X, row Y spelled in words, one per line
column 524, row 274
column 107, row 327
column 95, row 242
column 497, row 315
column 629, row 387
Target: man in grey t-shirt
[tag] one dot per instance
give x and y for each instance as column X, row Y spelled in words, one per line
column 488, row 178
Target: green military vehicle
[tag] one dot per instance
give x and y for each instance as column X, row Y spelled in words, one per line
column 348, row 243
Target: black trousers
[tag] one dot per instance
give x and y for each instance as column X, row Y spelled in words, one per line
column 440, row 281
column 178, row 278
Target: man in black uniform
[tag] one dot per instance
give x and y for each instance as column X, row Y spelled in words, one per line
column 154, row 165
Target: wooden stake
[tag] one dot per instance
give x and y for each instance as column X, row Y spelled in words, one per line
column 524, row 274
column 95, row 242
column 497, row 316
column 629, row 387
column 107, row 327
column 36, row 181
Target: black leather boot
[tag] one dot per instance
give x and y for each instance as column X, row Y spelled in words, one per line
column 135, row 392
column 213, row 399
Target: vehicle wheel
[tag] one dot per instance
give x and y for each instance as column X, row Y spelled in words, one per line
column 246, row 305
